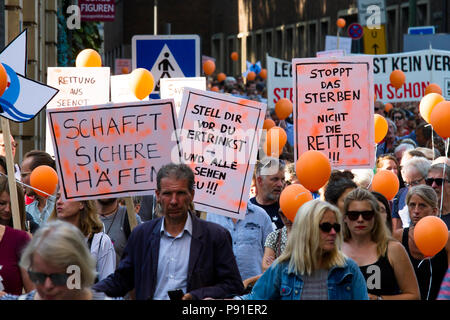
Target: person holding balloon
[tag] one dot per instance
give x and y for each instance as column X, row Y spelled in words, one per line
column 382, row 260
column 312, row 267
column 42, row 206
column 426, row 240
column 83, row 214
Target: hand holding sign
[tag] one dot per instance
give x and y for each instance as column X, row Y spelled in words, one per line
column 44, row 180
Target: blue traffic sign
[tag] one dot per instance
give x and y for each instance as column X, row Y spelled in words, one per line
column 167, row 56
column 421, row 30
column 355, row 31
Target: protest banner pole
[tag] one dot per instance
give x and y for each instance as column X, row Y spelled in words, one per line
column 11, row 178
column 131, row 213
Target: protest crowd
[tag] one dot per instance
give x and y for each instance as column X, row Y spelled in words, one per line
column 313, row 235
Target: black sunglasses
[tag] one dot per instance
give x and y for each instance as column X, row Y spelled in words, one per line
column 326, row 227
column 58, row 279
column 439, row 181
column 354, row 215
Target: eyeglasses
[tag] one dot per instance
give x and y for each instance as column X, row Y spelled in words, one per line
column 354, row 215
column 414, row 183
column 58, row 279
column 326, row 227
column 438, row 181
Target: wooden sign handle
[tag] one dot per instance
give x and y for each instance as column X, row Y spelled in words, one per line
column 131, row 213
column 11, row 177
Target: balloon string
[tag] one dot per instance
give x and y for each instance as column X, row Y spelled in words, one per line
column 431, row 275
column 20, row 182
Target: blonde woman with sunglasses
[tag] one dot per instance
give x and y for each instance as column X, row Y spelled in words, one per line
column 382, row 260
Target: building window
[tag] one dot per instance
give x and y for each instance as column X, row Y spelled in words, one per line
column 324, row 31
column 268, row 45
column 312, row 39
column 289, row 43
column 392, row 29
column 279, row 44
column 301, row 40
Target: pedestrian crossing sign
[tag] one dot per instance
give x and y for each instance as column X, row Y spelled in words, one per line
column 167, row 56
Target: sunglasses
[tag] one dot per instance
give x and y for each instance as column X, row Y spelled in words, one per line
column 414, row 183
column 58, row 279
column 354, row 215
column 438, row 181
column 398, row 118
column 326, row 227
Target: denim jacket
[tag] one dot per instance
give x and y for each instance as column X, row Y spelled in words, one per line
column 277, row 283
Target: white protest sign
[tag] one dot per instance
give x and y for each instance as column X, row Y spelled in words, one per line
column 172, row 88
column 420, row 68
column 279, row 80
column 113, row 150
column 333, row 110
column 79, row 86
column 345, row 43
column 219, row 140
column 120, row 89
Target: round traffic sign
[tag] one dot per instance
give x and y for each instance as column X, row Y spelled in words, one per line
column 355, row 31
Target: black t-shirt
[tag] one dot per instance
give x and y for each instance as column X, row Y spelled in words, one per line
column 272, row 211
column 446, row 219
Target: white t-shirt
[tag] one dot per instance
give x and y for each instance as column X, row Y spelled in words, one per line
column 103, row 251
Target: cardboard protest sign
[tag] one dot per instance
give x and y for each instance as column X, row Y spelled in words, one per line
column 333, row 109
column 172, row 88
column 420, row 68
column 120, row 89
column 80, row 86
column 113, row 150
column 279, row 80
column 219, row 139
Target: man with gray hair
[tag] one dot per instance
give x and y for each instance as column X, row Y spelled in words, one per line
column 177, row 255
column 414, row 171
column 440, row 182
column 269, row 181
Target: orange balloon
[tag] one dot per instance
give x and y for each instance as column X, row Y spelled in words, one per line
column 44, row 178
column 88, row 58
column 381, row 127
column 292, row 198
column 313, row 170
column 427, row 103
column 341, row 22
column 440, row 119
column 430, row 235
column 283, row 108
column 208, row 67
column 386, row 183
column 3, row 79
column 388, row 107
column 251, row 76
column 397, row 78
column 263, row 74
column 221, row 77
column 141, row 83
column 234, row 56
column 215, row 89
column 125, row 70
column 276, row 139
column 433, row 88
column 268, row 123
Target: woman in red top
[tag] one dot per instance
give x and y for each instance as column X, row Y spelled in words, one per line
column 13, row 279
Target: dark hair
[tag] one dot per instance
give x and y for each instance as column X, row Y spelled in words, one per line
column 3, row 163
column 337, row 184
column 40, row 158
column 386, row 204
column 425, row 129
column 4, row 187
column 179, row 171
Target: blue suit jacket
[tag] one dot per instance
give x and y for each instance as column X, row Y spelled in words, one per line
column 212, row 270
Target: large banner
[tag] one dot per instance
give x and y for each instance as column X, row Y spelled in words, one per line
column 113, row 150
column 333, row 109
column 219, row 138
column 279, row 80
column 420, row 67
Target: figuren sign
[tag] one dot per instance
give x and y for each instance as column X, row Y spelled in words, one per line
column 333, row 109
column 112, row 150
column 219, row 139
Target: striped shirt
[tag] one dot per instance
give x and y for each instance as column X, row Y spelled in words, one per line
column 444, row 292
column 315, row 286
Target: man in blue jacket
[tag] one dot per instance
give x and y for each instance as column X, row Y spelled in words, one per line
column 176, row 251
